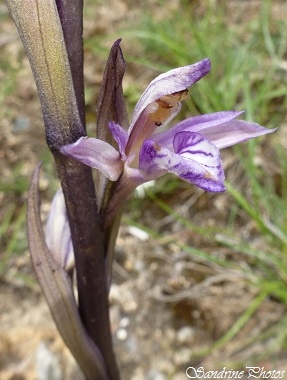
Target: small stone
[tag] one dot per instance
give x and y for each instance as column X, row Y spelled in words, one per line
column 185, row 335
column 122, row 334
column 47, row 364
column 155, row 375
column 182, row 357
column 21, row 124
column 124, row 322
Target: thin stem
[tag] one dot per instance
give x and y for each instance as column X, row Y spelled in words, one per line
column 71, row 16
column 79, row 192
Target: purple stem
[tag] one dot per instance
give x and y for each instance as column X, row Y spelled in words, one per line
column 79, row 192
column 71, row 16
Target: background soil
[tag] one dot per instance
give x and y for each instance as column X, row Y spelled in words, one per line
column 167, row 306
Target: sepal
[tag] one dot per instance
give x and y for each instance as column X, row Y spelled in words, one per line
column 57, row 290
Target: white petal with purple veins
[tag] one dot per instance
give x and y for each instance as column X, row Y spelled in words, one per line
column 195, row 159
column 193, row 146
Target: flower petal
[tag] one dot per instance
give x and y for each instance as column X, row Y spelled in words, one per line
column 220, row 128
column 120, row 136
column 234, row 132
column 195, row 159
column 97, row 154
column 167, row 83
column 195, row 124
column 194, row 146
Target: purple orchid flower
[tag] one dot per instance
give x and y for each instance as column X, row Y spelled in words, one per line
column 189, row 149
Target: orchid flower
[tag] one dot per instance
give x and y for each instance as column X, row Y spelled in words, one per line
column 147, row 150
column 190, row 149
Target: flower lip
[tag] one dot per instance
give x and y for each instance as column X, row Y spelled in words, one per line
column 193, row 158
